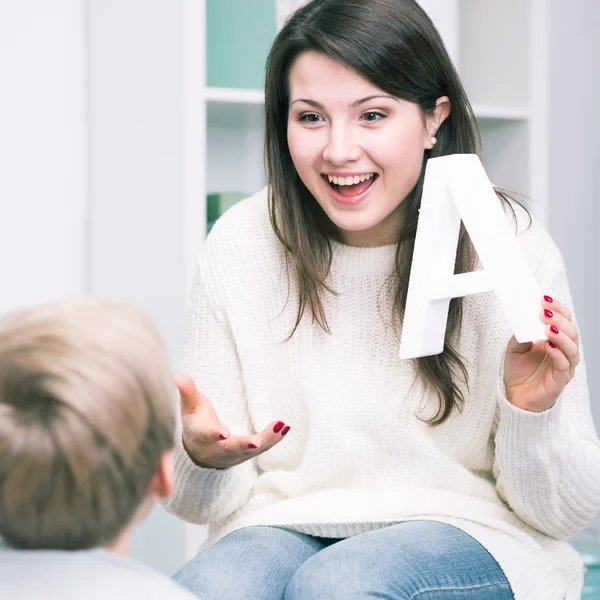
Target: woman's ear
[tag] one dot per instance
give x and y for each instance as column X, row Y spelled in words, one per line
column 435, row 119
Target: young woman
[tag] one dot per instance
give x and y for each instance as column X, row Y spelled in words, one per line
column 451, row 476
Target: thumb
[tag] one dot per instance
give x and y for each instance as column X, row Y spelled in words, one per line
column 191, row 399
column 515, row 347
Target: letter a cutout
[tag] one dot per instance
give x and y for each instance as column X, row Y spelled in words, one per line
column 457, row 188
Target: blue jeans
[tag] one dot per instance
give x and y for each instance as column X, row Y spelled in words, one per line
column 424, row 560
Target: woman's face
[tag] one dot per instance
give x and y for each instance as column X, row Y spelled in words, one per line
column 358, row 150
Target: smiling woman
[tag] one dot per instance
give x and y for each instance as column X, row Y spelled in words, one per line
column 341, row 128
column 343, row 471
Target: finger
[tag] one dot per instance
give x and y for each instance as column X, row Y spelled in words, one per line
column 223, row 454
column 272, row 434
column 550, row 317
column 239, row 445
column 568, row 348
column 191, row 397
column 550, row 303
column 239, row 448
column 187, row 391
column 559, row 360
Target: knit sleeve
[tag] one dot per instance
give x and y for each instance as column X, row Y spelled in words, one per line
column 547, row 465
column 204, row 495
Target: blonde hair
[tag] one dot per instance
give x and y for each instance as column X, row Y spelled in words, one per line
column 86, row 410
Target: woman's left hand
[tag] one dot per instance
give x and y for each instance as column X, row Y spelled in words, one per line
column 535, row 374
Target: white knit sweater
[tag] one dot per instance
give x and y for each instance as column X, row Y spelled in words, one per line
column 357, row 457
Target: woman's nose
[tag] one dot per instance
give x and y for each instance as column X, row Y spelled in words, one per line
column 341, row 147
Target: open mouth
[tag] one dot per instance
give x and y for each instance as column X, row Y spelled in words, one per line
column 351, row 186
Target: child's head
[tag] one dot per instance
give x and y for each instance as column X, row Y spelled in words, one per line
column 326, row 60
column 87, row 421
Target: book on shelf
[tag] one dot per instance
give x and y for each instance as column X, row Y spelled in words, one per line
column 217, row 204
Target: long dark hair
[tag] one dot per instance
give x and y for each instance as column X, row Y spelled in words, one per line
column 394, row 45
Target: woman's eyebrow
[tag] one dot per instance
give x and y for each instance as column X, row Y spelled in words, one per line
column 354, row 104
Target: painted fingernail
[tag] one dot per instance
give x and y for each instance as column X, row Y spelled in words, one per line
column 551, row 344
column 278, row 426
column 253, row 446
column 285, row 430
column 548, row 313
column 553, row 329
column 222, row 437
column 548, row 299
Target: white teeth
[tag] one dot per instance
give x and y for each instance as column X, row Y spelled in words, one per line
column 350, row 179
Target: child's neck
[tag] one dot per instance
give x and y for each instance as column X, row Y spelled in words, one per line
column 121, row 545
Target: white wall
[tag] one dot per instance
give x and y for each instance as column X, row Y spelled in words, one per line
column 574, row 150
column 42, row 151
column 137, row 245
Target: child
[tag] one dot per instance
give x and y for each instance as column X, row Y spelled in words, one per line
column 86, row 431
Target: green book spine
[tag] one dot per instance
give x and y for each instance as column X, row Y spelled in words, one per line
column 217, row 204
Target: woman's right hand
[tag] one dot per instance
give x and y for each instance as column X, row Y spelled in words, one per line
column 208, row 443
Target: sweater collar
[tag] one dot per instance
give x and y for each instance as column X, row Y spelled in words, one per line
column 355, row 260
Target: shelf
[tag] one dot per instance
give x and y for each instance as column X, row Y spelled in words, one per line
column 233, row 109
column 232, row 95
column 500, row 113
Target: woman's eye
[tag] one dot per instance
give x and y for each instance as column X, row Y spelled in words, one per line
column 373, row 116
column 310, row 118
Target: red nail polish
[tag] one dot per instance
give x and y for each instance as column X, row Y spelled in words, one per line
column 548, row 299
column 553, row 329
column 252, row 446
column 549, row 314
column 222, row 437
column 285, row 430
column 551, row 344
column 278, row 426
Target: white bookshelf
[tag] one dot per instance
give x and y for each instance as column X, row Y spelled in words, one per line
column 500, row 48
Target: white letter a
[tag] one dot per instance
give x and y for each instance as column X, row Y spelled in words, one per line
column 457, row 187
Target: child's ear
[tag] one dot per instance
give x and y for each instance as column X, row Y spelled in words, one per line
column 161, row 483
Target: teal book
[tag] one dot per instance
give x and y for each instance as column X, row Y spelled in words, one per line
column 239, row 34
